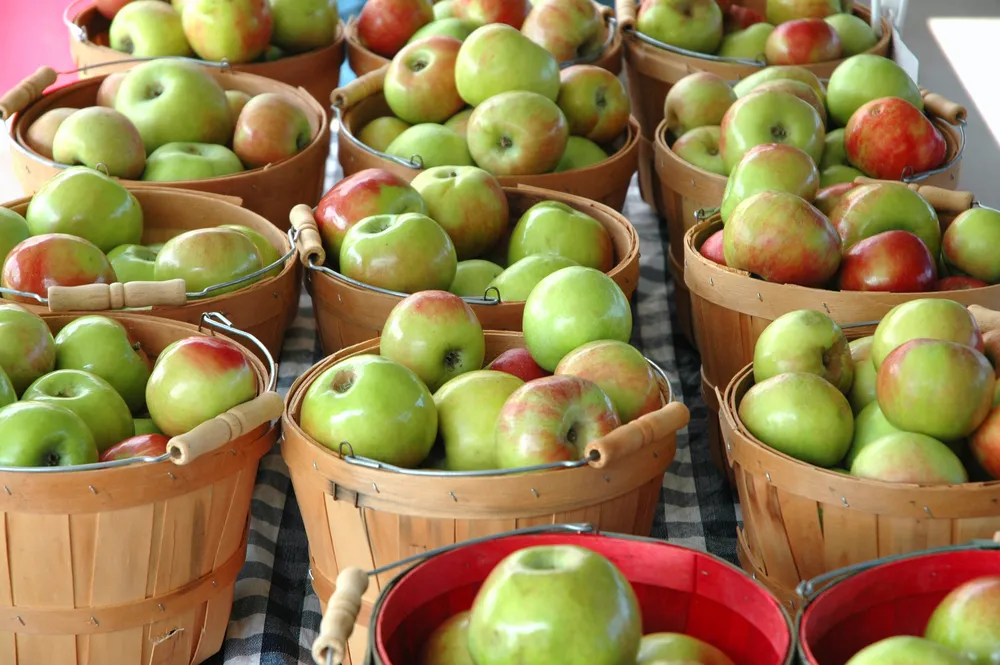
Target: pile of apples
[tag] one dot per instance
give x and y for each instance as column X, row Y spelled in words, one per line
column 83, row 227
column 238, row 31
column 917, row 402
column 170, row 120
column 964, row 629
column 794, row 32
column 499, row 101
column 591, row 616
column 91, row 393
column 449, row 230
column 428, row 400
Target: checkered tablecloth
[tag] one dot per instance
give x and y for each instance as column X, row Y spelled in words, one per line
column 276, row 614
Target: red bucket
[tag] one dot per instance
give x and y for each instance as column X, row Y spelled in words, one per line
column 864, row 604
column 679, row 590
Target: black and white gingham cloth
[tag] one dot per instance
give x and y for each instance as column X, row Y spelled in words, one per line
column 276, row 614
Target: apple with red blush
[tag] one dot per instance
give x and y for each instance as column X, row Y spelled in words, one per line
column 802, row 42
column 511, row 12
column 712, row 249
column 385, row 26
column 959, row 283
column 141, row 445
column 894, row 261
column 890, row 138
column 621, row 371
column 519, row 363
column 54, row 259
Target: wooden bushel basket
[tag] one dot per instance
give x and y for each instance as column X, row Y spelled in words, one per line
column 801, row 521
column 731, row 309
column 318, row 71
column 363, row 61
column 364, row 517
column 264, row 309
column 133, row 564
column 679, row 590
column 850, row 609
column 652, row 68
column 688, row 194
column 270, row 191
column 348, row 312
column 361, row 101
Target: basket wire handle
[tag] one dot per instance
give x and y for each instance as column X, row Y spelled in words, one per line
column 26, row 92
column 941, row 199
column 641, row 432
column 309, row 242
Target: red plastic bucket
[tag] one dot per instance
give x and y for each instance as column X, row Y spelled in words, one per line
column 864, row 604
column 679, row 590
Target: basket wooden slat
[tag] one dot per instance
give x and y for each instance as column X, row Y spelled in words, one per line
column 368, row 518
column 131, row 565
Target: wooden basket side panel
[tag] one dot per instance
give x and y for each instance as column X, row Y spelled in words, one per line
column 726, row 339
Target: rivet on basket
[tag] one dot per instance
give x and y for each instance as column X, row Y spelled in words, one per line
column 172, row 476
column 535, row 492
column 92, row 489
column 928, row 511
column 453, row 497
column 844, row 501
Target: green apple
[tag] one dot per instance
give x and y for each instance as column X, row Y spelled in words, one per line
column 449, row 643
column 419, row 84
column 571, row 307
column 621, row 371
column 468, row 203
column 404, row 253
column 208, row 257
column 97, row 136
column 148, row 29
column 7, row 393
column 886, row 206
column 838, row 174
column 863, row 78
column 37, row 434
column 778, row 73
column 678, row 649
column 906, row 650
column 13, row 230
column 700, row 99
column 459, row 123
column 195, row 379
column 473, row 277
column 133, row 263
column 86, row 203
column 747, row 43
column 268, row 252
column 497, row 58
column 782, row 11
column 435, row 145
column 237, row 100
column 553, row 227
column 968, row 620
column 770, row 117
column 695, row 25
column 303, row 25
column 700, row 147
column 42, row 132
column 436, row 335
column 447, row 27
column 379, row 407
column 834, row 153
column 863, row 387
column 443, row 9
column 271, row 54
column 924, row 318
column 800, row 89
column 89, row 396
column 381, row 132
column 519, row 279
column 856, row 36
column 870, row 425
column 804, row 341
column 172, row 101
column 594, row 102
column 770, row 167
column 468, row 406
column 801, row 415
column 908, row 457
column 234, row 30
column 590, row 615
column 104, row 347
column 172, row 162
column 518, row 133
column 27, row 349
column 579, row 154
column 969, row 242
column 145, row 426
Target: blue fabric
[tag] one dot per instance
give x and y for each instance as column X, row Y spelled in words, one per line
column 347, row 9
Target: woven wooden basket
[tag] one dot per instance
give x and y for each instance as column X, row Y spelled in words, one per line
column 731, row 309
column 348, row 312
column 270, row 191
column 265, row 309
column 357, row 516
column 363, row 61
column 134, row 564
column 688, row 194
column 317, row 71
column 653, row 68
column 361, row 101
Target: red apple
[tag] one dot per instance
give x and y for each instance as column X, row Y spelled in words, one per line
column 827, row 198
column 959, row 283
column 54, row 259
column 620, row 370
column 738, row 17
column 270, row 128
column 801, row 42
column 420, row 83
column 711, row 249
column 142, row 445
column 384, row 26
column 895, row 261
column 519, row 363
column 985, row 444
column 511, row 12
column 890, row 138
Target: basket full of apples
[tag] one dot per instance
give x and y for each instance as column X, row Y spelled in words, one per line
column 562, row 593
column 84, row 242
column 124, row 441
column 573, row 31
column 374, row 238
column 173, row 123
column 940, row 605
column 498, row 101
column 439, row 424
column 297, row 42
column 873, row 447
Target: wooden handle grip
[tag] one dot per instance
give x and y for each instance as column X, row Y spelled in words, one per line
column 987, row 319
column 360, row 88
column 341, row 613
column 225, row 427
column 95, row 297
column 625, row 10
column 996, row 537
column 310, row 242
column 943, row 107
column 27, row 91
column 639, row 433
column 943, row 200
